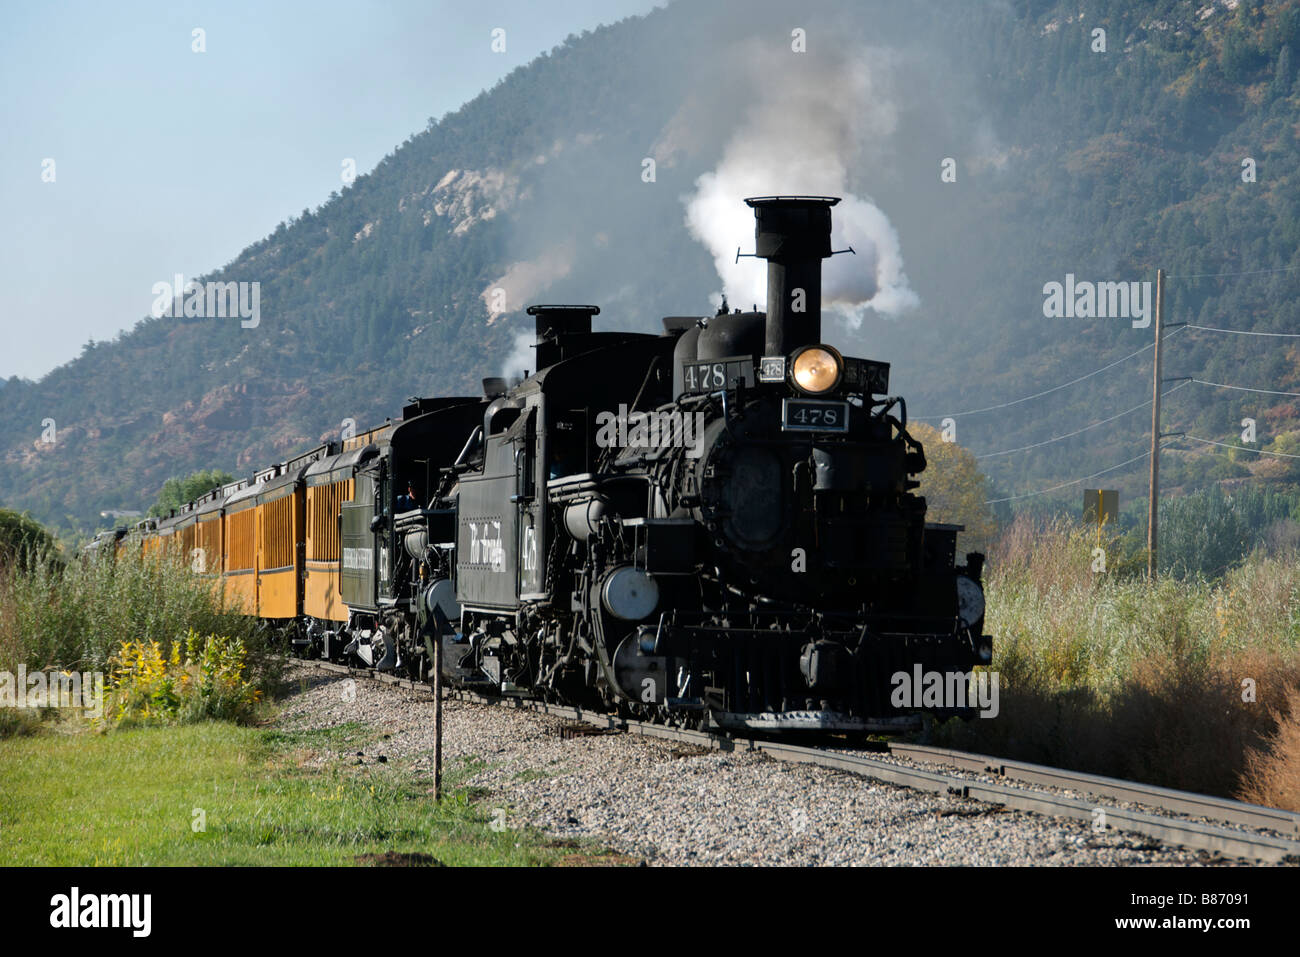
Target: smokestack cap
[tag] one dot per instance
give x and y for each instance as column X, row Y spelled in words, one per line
column 553, row 321
column 792, row 227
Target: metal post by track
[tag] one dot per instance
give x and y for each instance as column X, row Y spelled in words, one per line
column 437, row 718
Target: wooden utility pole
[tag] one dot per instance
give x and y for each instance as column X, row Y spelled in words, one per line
column 437, row 716
column 1153, row 502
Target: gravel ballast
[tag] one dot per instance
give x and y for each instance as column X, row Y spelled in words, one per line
column 665, row 803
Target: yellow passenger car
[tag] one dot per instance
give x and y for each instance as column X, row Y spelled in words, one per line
column 239, row 549
column 279, row 535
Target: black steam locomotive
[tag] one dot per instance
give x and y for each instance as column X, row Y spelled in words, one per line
column 714, row 527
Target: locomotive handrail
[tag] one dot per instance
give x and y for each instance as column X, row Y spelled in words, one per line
column 888, row 403
column 474, row 439
column 726, row 414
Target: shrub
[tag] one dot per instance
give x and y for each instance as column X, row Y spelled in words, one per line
column 1272, row 774
column 201, row 678
column 23, row 539
column 78, row 616
column 137, row 614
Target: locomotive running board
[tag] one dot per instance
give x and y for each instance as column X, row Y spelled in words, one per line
column 815, row 721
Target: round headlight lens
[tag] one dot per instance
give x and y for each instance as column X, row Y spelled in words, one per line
column 817, row 369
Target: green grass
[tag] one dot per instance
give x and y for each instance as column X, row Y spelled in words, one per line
column 350, row 735
column 268, row 797
column 532, row 774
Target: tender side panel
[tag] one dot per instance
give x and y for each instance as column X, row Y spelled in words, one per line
column 358, row 547
column 486, row 535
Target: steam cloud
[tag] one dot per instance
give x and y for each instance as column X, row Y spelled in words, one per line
column 522, row 358
column 807, row 130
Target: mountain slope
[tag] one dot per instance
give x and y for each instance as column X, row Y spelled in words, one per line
column 1069, row 161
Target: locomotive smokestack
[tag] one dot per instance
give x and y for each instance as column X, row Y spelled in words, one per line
column 556, row 321
column 555, row 324
column 793, row 233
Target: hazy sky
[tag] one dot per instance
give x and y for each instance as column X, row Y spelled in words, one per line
column 167, row 160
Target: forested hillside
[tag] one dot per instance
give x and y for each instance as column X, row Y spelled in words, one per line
column 1101, row 160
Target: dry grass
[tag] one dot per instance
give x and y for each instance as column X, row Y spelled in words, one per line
column 1142, row 682
column 79, row 615
column 1272, row 773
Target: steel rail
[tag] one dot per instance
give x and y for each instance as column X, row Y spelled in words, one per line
column 1194, row 835
column 1286, row 823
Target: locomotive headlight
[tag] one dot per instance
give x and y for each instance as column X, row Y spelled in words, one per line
column 816, row 369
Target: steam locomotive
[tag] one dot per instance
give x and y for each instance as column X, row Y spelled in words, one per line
column 713, row 527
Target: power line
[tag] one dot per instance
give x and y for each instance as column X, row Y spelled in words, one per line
column 1242, row 448
column 1039, row 395
column 1244, row 332
column 1044, row 491
column 1220, row 275
column 1070, row 435
column 1155, row 447
column 1242, row 388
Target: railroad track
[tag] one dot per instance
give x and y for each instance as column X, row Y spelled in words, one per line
column 1231, row 828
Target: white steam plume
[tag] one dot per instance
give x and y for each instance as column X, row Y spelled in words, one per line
column 522, row 358
column 809, row 126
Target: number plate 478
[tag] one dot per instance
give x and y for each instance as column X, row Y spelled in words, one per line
column 814, row 415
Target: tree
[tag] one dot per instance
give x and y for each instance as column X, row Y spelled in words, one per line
column 955, row 490
column 1287, row 445
column 1282, row 74
column 177, row 491
column 1239, row 56
column 1202, row 534
column 22, row 538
